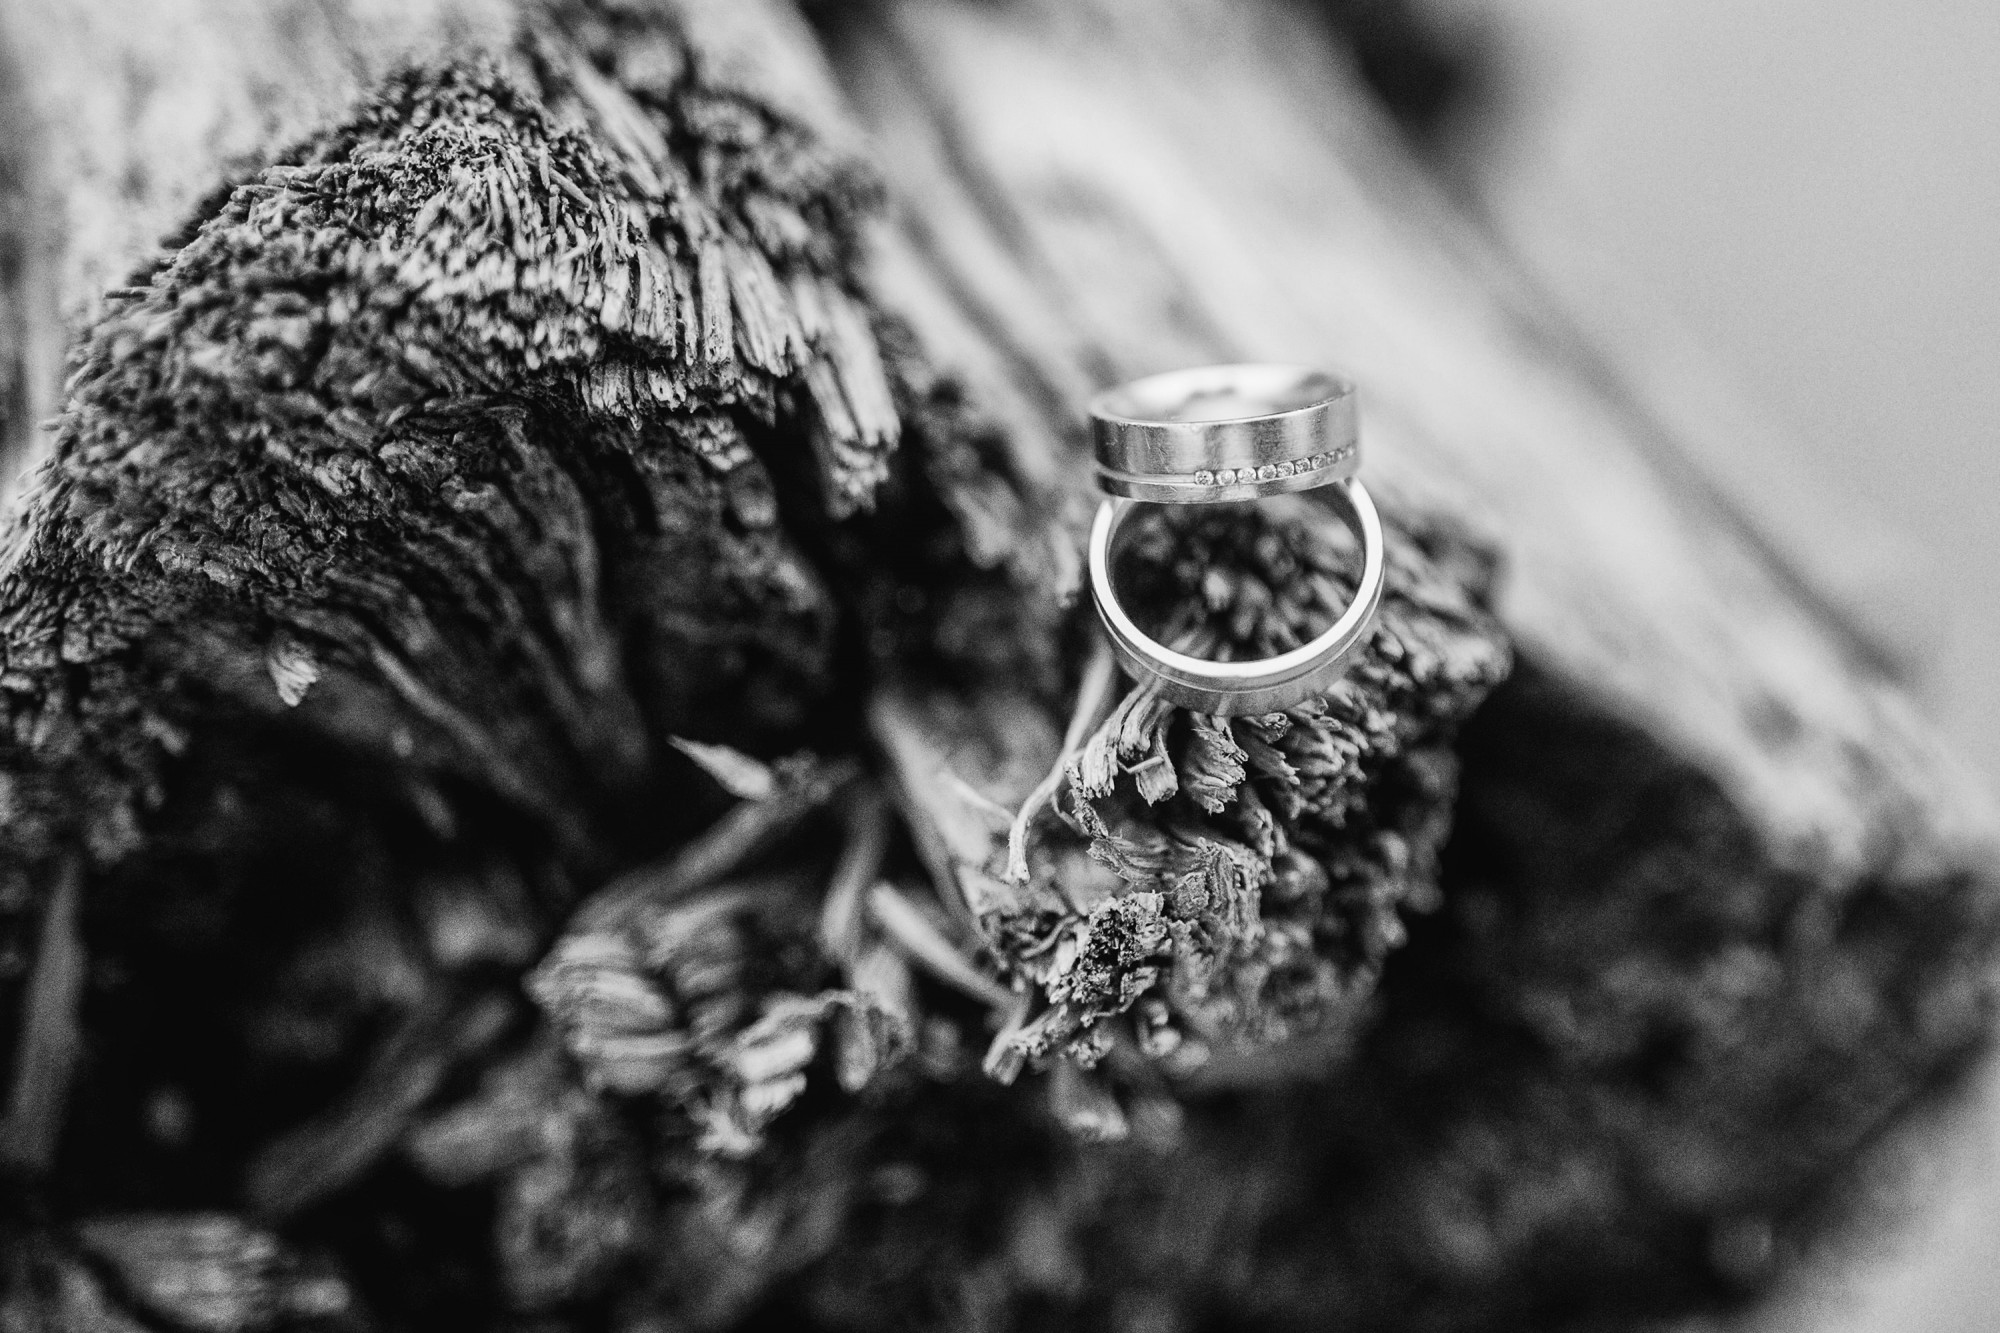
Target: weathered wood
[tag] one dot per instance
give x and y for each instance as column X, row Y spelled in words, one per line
column 1066, row 182
column 121, row 123
column 545, row 390
column 237, row 565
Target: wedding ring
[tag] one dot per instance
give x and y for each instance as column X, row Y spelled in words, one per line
column 1147, row 432
column 1217, row 433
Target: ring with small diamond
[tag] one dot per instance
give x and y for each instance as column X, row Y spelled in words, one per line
column 1225, row 433
column 1302, row 467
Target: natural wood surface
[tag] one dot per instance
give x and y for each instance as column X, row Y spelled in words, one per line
column 1105, row 209
column 522, row 401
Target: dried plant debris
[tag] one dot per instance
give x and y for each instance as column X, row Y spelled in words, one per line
column 211, row 1273
column 1245, row 879
column 1561, row 1118
column 718, row 990
column 567, row 1176
column 709, row 1004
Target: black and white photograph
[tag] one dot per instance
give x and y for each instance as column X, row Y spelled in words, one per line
column 999, row 666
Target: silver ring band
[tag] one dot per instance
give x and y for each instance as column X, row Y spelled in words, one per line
column 1234, row 689
column 1220, row 433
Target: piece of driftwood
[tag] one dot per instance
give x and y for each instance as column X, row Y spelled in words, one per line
column 555, row 772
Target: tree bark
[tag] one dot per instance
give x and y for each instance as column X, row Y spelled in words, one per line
column 539, row 419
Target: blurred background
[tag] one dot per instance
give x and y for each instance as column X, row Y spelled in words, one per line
column 1798, row 200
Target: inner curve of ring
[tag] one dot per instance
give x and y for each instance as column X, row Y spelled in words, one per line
column 1259, row 672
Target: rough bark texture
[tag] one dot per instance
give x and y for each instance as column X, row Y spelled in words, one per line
column 555, row 775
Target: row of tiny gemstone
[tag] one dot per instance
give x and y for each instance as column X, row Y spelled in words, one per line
column 1269, row 472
